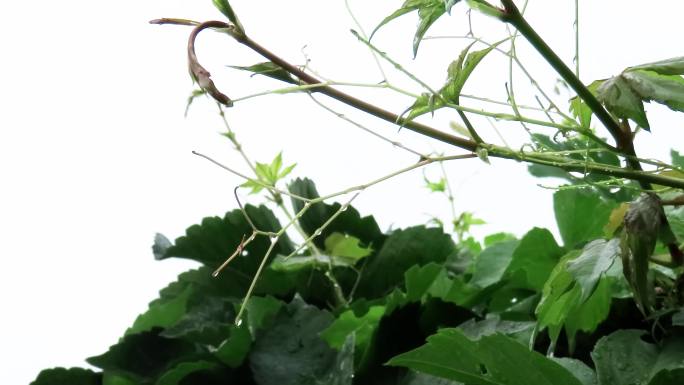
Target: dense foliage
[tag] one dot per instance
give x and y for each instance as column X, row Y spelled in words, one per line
column 481, row 307
column 351, row 304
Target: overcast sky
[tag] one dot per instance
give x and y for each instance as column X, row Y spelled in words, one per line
column 95, row 153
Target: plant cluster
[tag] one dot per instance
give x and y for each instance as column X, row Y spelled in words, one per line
column 326, row 297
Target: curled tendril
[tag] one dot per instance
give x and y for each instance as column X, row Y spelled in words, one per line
column 199, row 73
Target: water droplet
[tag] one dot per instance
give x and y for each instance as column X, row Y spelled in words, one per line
column 318, row 232
column 344, row 208
column 238, row 322
column 215, row 274
column 244, row 253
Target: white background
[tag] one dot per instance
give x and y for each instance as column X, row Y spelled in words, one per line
column 95, row 151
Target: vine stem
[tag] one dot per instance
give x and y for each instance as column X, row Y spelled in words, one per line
column 623, row 139
column 636, row 173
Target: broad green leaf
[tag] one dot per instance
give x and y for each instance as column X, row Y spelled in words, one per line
column 109, row 378
column 596, row 258
column 215, row 239
column 227, row 10
column 534, row 259
column 234, row 349
column 587, row 315
column 207, row 321
column 677, row 158
column 71, row 376
column 291, row 352
column 668, row 377
column 623, row 358
column 347, row 323
column 673, row 66
column 269, row 69
column 144, row 356
column 345, row 247
column 417, row 378
column 162, row 312
column 491, row 264
column 664, row 89
column 402, row 249
column 492, row 360
column 348, row 222
column 521, row 331
column 621, row 100
column 175, row 375
column 581, row 214
column 261, row 312
column 429, row 280
column 428, row 12
column 498, row 237
column 303, row 262
column 585, row 374
column 552, row 310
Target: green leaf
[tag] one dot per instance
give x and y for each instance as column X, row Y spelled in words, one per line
column 175, row 375
column 291, row 352
column 580, row 109
column 348, row 322
column 439, row 186
column 208, row 321
column 429, row 280
column 458, row 73
column 623, row 358
column 235, row 348
column 596, row 258
column 345, row 247
column 362, row 328
column 417, row 378
column 490, row 266
column 71, row 376
column 162, row 312
column 581, row 214
column 585, row 374
column 668, row 377
column 521, row 331
column 492, row 360
column 348, row 222
column 227, row 10
column 215, row 239
column 677, row 159
column 664, row 89
column 404, row 248
column 575, row 301
column 673, row 66
column 144, row 356
column 269, row 69
column 428, row 12
column 460, row 70
column 534, row 259
column 621, row 100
